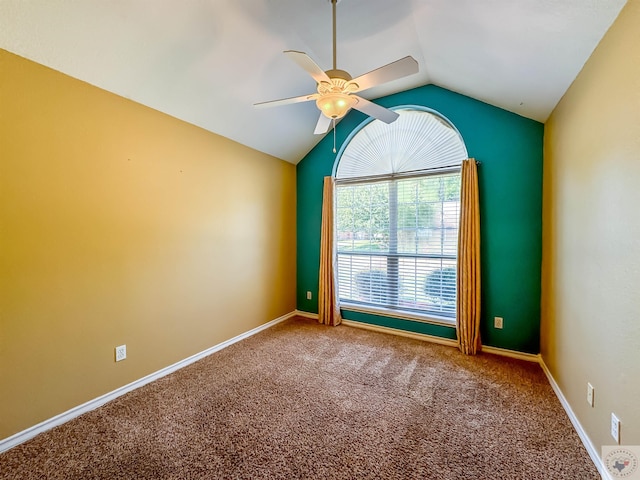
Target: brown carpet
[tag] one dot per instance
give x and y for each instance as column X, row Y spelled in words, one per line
column 305, row 401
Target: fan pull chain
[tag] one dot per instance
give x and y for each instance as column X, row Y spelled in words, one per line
column 334, row 135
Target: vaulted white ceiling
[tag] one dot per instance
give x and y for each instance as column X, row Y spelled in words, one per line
column 208, row 61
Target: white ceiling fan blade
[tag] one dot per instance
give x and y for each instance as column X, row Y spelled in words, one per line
column 287, row 101
column 304, row 61
column 400, row 68
column 323, row 125
column 374, row 110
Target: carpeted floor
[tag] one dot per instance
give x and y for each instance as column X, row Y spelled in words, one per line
column 301, row 400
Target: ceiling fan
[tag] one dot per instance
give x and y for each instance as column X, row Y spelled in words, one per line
column 336, row 88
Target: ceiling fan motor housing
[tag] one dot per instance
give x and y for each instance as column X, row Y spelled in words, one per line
column 340, row 81
column 341, row 74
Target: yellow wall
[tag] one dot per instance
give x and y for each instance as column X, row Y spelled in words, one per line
column 591, row 236
column 122, row 225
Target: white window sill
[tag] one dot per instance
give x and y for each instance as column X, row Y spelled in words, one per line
column 403, row 314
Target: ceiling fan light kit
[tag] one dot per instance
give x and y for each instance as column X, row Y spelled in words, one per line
column 336, row 88
column 336, row 105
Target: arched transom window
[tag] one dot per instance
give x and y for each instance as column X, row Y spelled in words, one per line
column 397, row 215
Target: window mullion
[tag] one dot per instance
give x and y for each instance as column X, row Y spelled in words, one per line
column 441, row 198
column 392, row 260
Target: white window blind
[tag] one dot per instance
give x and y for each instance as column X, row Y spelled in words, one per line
column 397, row 243
column 417, row 141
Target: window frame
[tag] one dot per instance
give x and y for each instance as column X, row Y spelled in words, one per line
column 398, row 313
column 390, row 311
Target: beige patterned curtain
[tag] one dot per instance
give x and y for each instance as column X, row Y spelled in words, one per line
column 468, row 303
column 328, row 307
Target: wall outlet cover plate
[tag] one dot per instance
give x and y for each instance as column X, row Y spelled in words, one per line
column 121, row 353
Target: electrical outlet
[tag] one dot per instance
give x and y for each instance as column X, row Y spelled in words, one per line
column 498, row 322
column 590, row 394
column 308, row 295
column 615, row 427
column 121, row 352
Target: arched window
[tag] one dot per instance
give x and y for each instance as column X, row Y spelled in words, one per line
column 397, row 214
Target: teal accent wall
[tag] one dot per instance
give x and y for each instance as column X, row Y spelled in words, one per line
column 509, row 148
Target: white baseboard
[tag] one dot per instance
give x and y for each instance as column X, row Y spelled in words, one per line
column 529, row 357
column 64, row 417
column 586, row 441
column 393, row 331
column 401, row 333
